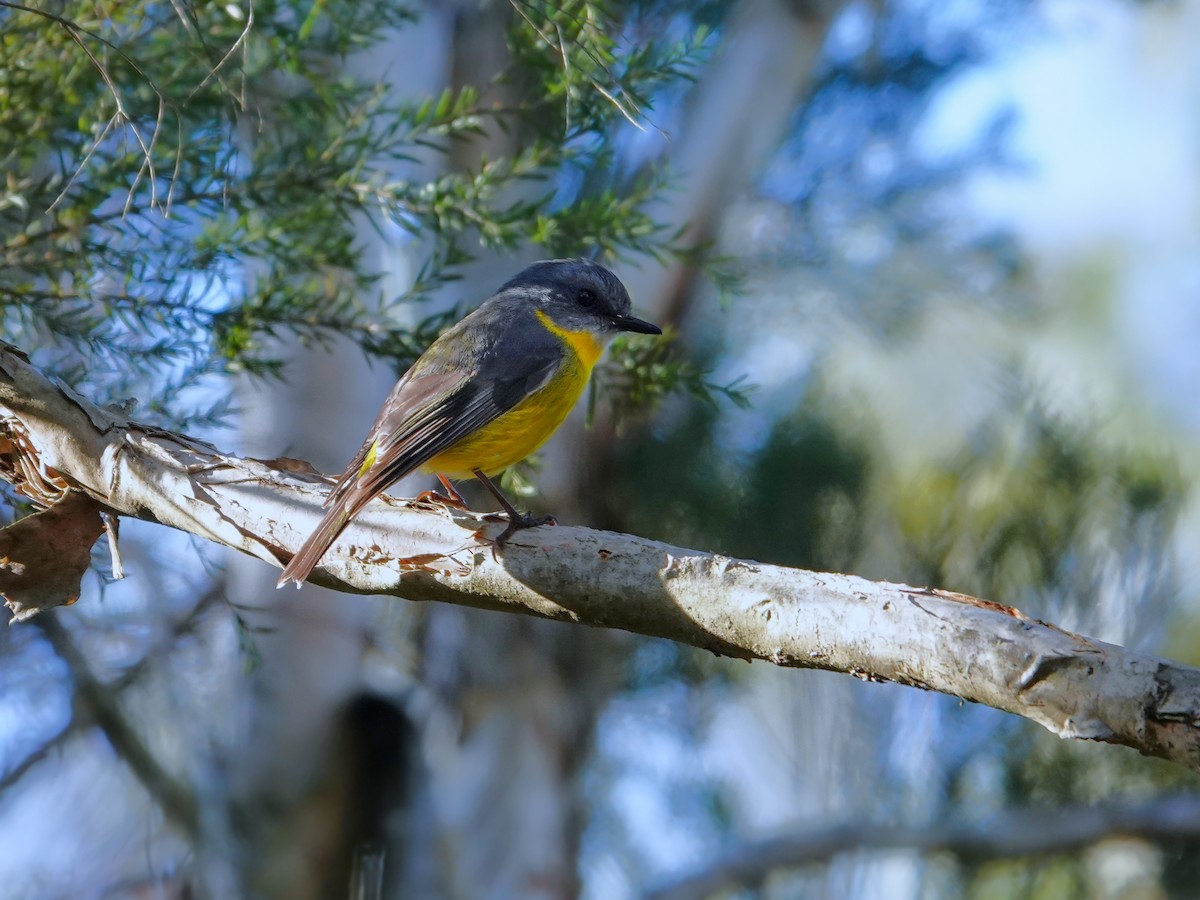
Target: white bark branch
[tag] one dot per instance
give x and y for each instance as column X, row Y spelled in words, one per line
column 974, row 649
column 1015, row 833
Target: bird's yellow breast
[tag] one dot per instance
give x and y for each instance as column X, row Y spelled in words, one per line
column 520, row 431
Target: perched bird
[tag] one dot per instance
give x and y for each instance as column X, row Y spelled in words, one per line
column 486, row 394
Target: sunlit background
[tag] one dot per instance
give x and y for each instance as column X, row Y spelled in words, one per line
column 957, row 256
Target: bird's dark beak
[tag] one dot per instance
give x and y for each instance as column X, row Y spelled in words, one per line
column 629, row 323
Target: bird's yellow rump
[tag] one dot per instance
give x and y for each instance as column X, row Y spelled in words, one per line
column 486, row 394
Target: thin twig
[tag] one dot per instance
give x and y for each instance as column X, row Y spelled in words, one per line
column 52, row 743
column 75, row 31
column 121, row 112
column 177, row 800
column 562, row 48
column 229, row 53
column 147, row 162
column 83, row 163
column 178, row 166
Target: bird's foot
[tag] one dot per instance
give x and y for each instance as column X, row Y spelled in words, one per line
column 434, row 498
column 519, row 522
column 516, row 520
column 452, row 498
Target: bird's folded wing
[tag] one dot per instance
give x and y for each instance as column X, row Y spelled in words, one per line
column 429, row 413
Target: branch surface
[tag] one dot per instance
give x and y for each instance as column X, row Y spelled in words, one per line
column 975, row 649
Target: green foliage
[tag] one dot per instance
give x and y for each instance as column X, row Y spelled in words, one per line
column 571, row 49
column 691, row 486
column 1036, row 510
column 642, row 372
column 185, row 180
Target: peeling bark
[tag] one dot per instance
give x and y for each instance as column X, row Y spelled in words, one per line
column 977, row 650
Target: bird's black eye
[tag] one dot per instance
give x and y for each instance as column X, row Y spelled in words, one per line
column 586, row 298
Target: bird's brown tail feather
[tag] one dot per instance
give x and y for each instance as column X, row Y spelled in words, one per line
column 311, row 551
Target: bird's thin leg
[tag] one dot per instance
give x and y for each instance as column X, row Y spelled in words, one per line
column 516, row 520
column 451, row 491
column 451, row 498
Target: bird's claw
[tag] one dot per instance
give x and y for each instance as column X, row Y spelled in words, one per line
column 520, row 523
column 433, row 498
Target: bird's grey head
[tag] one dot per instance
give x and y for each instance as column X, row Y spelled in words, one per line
column 579, row 294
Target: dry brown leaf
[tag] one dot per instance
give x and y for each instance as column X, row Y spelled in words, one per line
column 43, row 556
